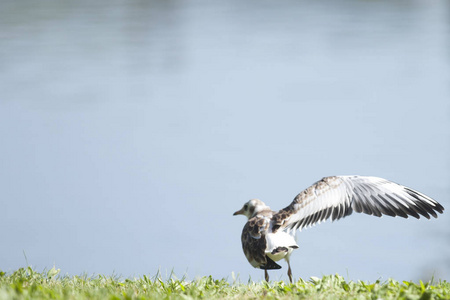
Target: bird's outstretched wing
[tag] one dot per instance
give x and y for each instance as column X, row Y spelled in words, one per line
column 338, row 196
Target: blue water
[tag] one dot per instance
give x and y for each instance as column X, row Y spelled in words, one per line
column 130, row 132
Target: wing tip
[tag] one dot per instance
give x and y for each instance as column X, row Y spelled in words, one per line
column 270, row 265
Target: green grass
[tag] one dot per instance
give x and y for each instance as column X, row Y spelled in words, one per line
column 29, row 284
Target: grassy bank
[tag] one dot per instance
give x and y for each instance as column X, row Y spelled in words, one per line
column 28, row 284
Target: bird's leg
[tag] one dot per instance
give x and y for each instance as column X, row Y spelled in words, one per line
column 289, row 271
column 290, row 274
column 266, row 275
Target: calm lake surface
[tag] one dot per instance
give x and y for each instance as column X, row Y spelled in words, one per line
column 131, row 131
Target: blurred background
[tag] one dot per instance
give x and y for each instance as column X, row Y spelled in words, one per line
column 132, row 130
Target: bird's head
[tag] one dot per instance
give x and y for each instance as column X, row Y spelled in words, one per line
column 252, row 208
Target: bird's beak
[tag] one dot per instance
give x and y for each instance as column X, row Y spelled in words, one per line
column 239, row 212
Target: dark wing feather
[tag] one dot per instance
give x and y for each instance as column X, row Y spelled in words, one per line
column 338, row 196
column 254, row 243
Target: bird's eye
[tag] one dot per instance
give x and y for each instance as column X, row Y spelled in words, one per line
column 245, row 207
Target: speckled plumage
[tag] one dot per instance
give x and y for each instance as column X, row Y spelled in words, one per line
column 254, row 239
column 269, row 236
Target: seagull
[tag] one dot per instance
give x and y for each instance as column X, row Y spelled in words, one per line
column 269, row 236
